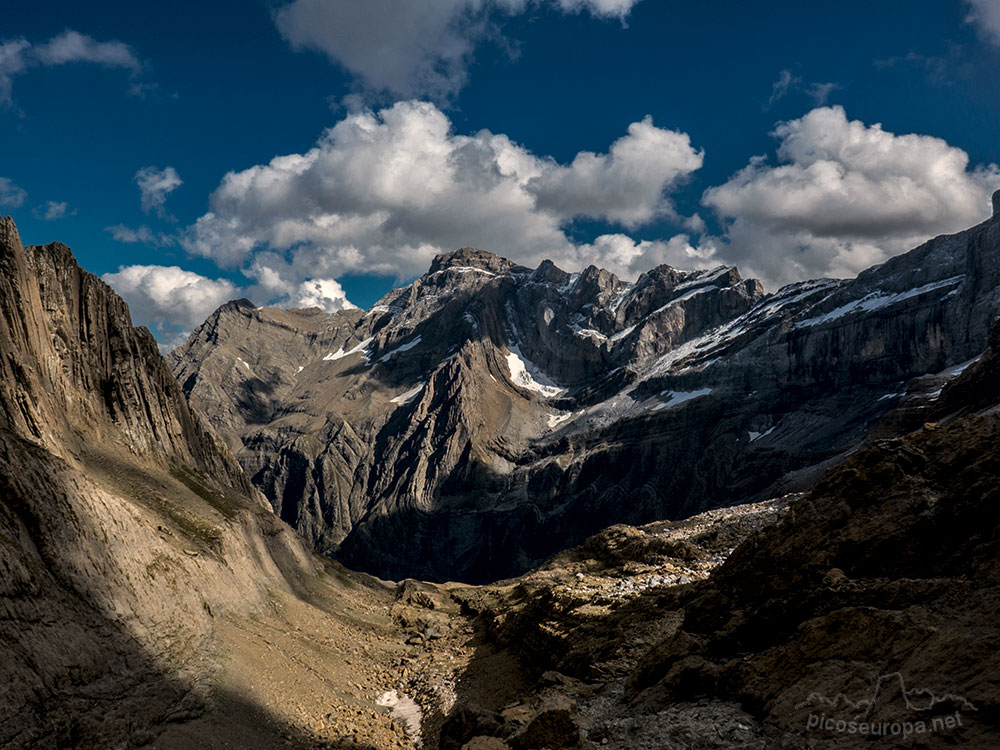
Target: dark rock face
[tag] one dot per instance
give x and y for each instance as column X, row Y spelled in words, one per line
column 124, row 527
column 860, row 614
column 487, row 415
column 872, row 600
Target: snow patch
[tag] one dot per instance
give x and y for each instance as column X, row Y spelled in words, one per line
column 679, row 397
column 759, row 435
column 622, row 334
column 708, row 341
column 404, row 709
column 244, row 364
column 570, row 283
column 619, row 297
column 686, row 296
column 587, row 332
column 405, row 398
column 557, row 419
column 700, row 278
column 340, row 353
column 526, row 375
column 877, row 300
column 461, row 269
column 956, row 370
column 404, row 348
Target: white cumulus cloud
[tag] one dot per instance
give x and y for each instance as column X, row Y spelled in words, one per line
column 986, row 15
column 168, row 299
column 323, row 293
column 625, row 185
column 383, row 193
column 19, row 55
column 155, row 185
column 844, row 196
column 410, row 48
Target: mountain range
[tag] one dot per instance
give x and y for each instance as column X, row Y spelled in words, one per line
column 161, row 518
column 487, row 415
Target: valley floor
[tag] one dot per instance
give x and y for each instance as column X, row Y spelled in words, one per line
column 306, row 674
column 363, row 664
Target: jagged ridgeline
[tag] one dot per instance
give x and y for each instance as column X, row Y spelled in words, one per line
column 488, row 415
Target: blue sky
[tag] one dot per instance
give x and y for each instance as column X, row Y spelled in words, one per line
column 791, row 139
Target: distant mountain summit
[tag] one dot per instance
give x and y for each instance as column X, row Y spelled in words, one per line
column 487, row 415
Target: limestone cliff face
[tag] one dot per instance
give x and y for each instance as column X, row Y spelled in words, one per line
column 487, row 415
column 124, row 529
column 75, row 373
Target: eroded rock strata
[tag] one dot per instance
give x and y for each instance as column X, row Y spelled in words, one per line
column 133, row 549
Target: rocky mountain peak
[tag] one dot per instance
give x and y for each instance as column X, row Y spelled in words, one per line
column 996, row 206
column 599, row 278
column 540, row 406
column 8, row 233
column 470, row 257
column 239, row 305
column 76, row 373
column 662, row 274
column 228, row 314
column 549, row 273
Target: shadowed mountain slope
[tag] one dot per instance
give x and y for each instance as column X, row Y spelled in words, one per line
column 130, row 539
column 861, row 614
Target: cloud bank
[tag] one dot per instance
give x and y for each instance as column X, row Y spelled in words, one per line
column 385, row 192
column 411, row 49
column 844, row 196
column 170, row 300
